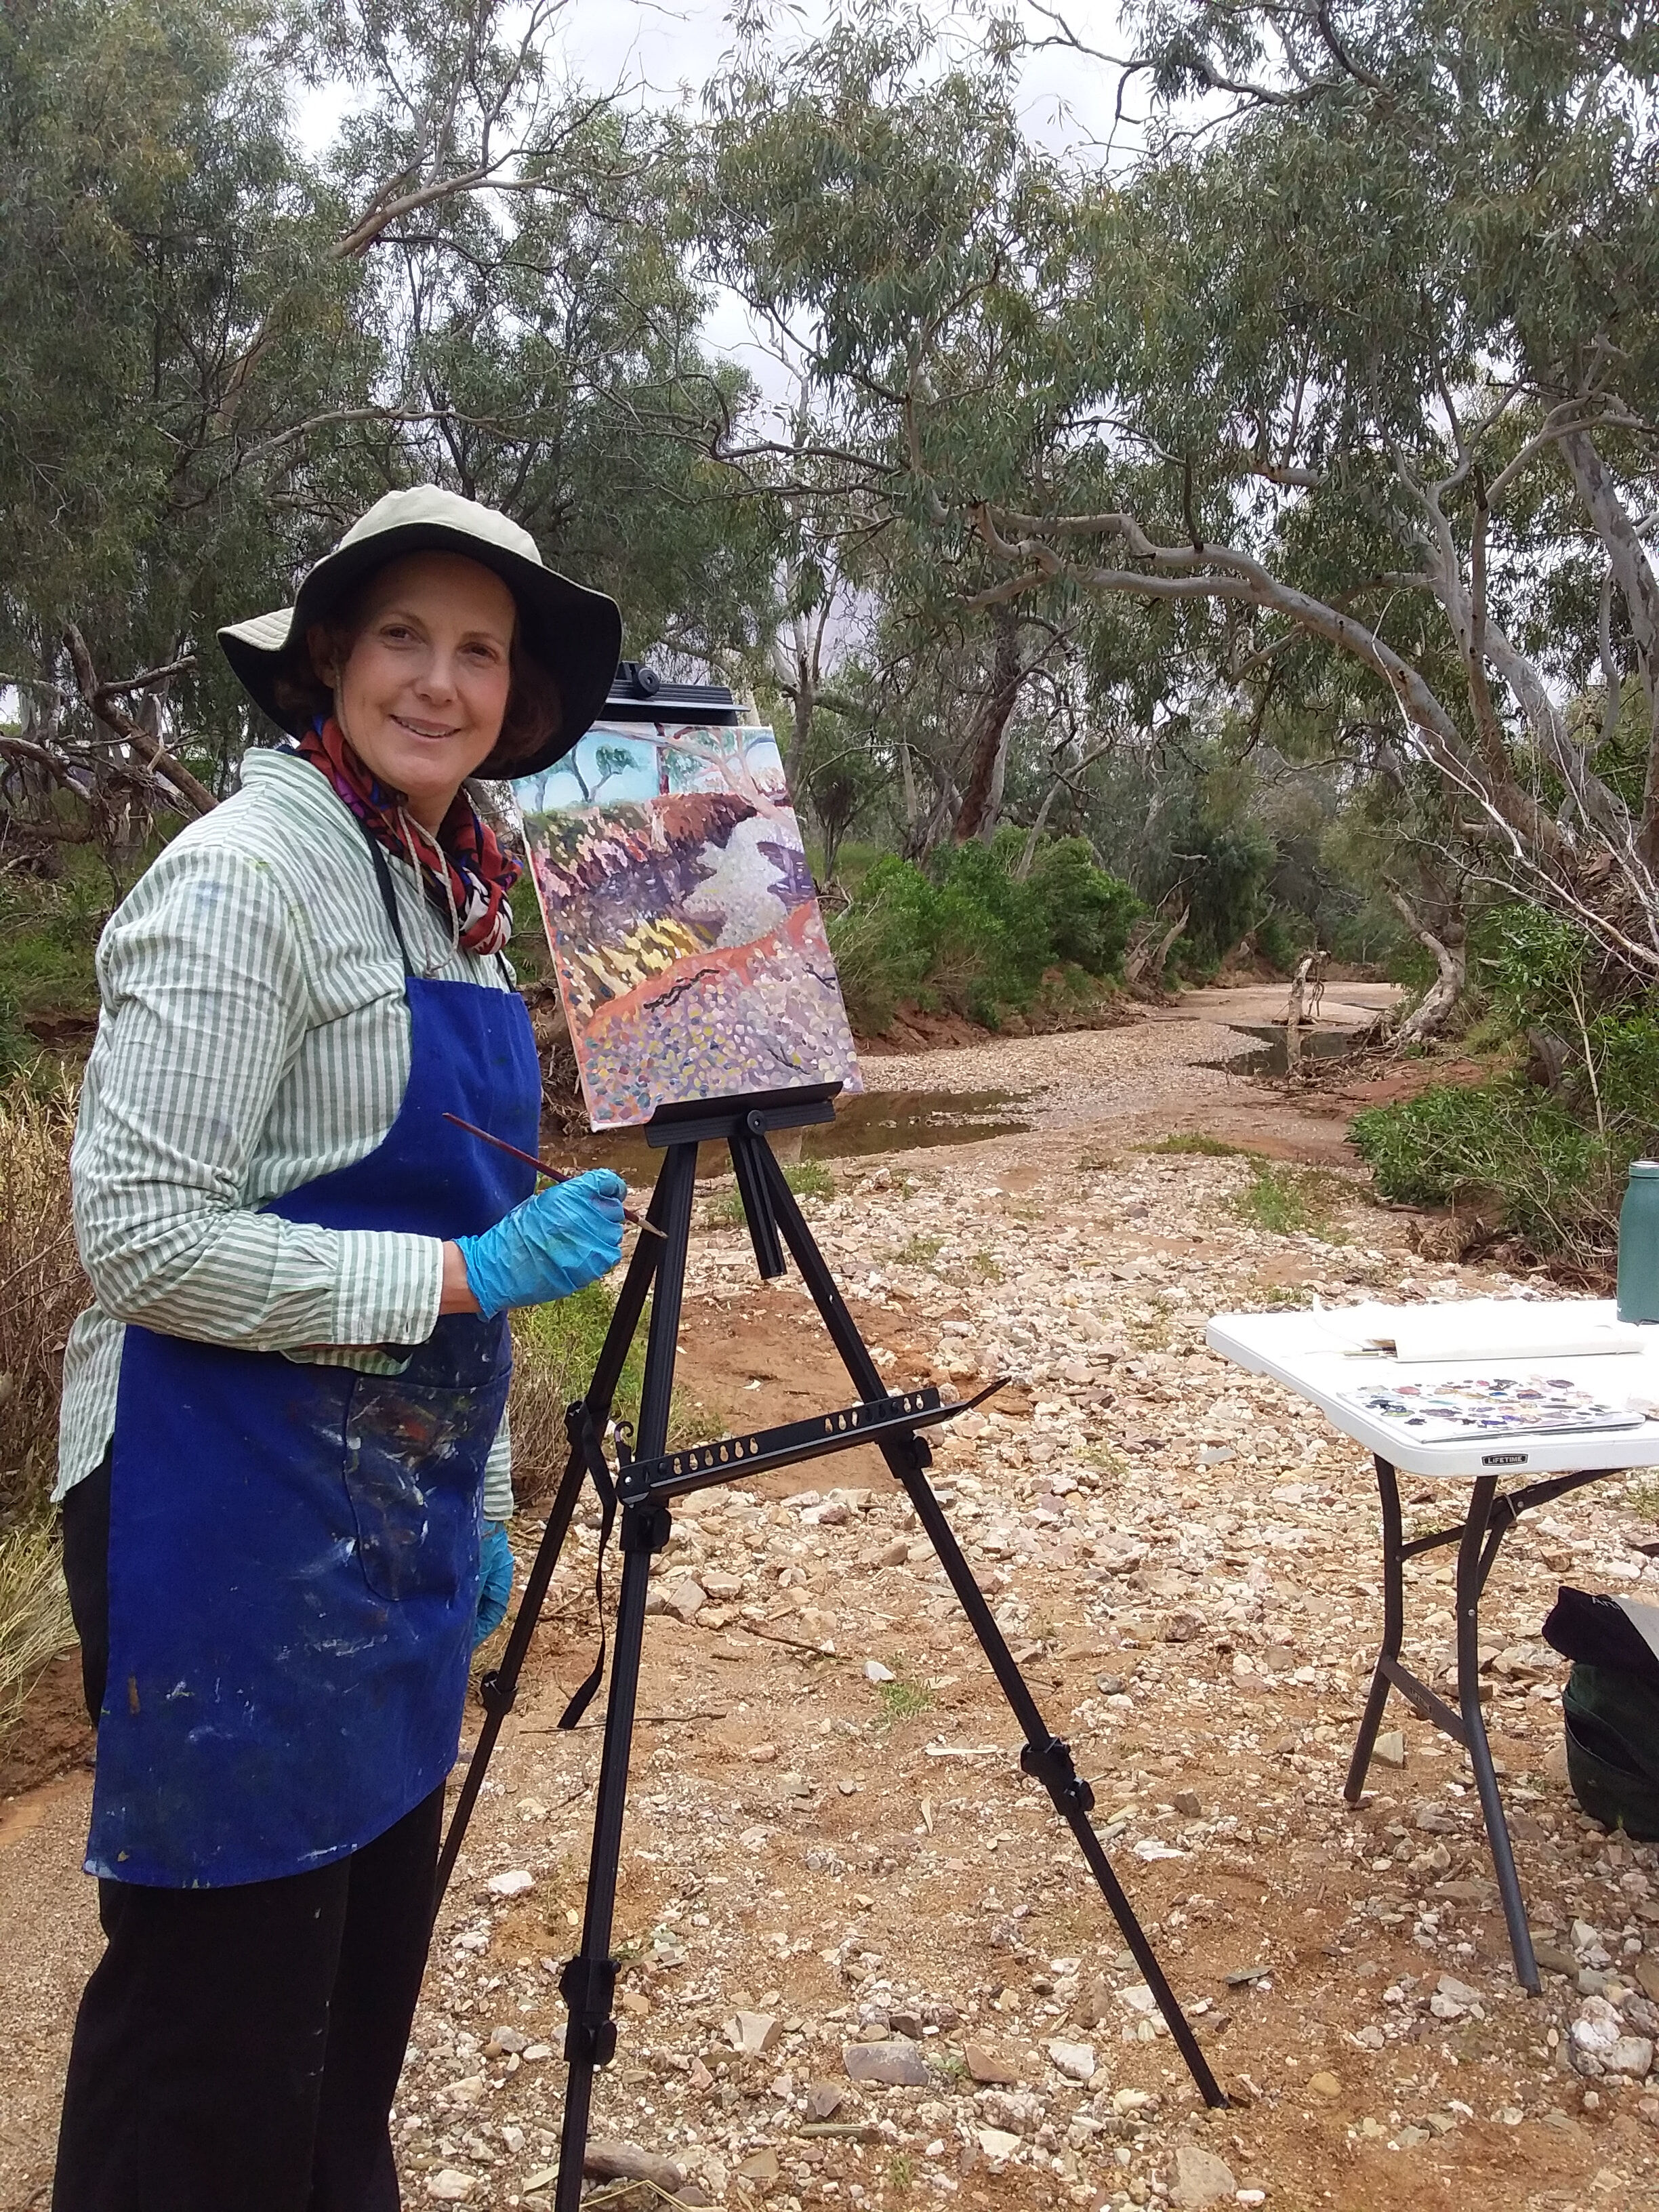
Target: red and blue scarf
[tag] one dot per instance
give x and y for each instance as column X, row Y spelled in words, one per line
column 466, row 875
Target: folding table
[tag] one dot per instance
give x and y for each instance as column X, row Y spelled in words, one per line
column 1306, row 1353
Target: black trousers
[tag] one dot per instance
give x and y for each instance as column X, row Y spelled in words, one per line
column 237, row 2049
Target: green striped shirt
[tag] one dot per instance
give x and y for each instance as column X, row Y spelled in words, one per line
column 254, row 1035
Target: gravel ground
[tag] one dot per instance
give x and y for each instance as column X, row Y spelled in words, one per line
column 1085, row 1077
column 863, row 1966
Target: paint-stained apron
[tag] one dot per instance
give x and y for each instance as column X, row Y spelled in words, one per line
column 294, row 1549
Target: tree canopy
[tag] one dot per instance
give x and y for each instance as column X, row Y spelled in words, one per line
column 1270, row 507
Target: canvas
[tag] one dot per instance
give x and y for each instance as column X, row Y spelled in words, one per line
column 690, row 954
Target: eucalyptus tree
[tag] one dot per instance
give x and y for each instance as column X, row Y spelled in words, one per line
column 877, row 216
column 1356, row 366
column 216, row 350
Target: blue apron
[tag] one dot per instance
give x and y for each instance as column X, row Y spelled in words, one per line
column 294, row 1549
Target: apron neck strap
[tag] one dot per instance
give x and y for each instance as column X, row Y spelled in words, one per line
column 388, row 896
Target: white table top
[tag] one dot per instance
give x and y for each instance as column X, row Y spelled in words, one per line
column 1304, row 1350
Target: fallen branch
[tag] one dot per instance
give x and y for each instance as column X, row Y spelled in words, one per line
column 101, row 700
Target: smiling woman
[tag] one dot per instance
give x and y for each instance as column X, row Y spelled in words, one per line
column 283, row 1460
column 421, row 676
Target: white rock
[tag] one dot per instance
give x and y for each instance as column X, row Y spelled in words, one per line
column 1632, row 2054
column 1201, row 2179
column 753, row 2033
column 1076, row 2061
column 687, row 1599
column 449, row 2186
column 513, row 1884
column 996, row 2144
column 1597, row 2027
column 875, row 1672
column 1459, row 1992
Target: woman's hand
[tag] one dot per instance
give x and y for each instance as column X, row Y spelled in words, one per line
column 545, row 1248
column 494, row 1580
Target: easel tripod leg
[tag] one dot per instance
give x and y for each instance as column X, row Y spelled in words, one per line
column 1394, row 1631
column 1049, row 1760
column 499, row 1687
column 1045, row 1756
column 589, row 1981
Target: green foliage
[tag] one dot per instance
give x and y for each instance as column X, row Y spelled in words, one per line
column 1550, row 1177
column 48, row 935
column 556, row 1348
column 1282, row 940
column 562, row 1341
column 917, row 1251
column 1535, row 964
column 1210, row 1148
column 1289, row 1201
column 1231, row 862
column 806, row 1178
column 902, row 1700
column 967, row 932
column 1549, row 1163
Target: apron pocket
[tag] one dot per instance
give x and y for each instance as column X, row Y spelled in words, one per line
column 414, row 1472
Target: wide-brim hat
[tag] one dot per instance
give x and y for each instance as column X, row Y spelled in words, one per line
column 574, row 634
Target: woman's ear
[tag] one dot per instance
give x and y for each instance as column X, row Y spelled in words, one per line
column 324, row 650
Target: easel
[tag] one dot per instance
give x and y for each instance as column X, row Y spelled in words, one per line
column 647, row 1481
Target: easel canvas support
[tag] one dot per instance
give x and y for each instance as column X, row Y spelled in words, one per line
column 645, row 1485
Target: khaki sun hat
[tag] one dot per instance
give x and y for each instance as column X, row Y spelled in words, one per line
column 574, row 633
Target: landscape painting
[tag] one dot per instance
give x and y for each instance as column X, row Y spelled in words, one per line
column 691, row 953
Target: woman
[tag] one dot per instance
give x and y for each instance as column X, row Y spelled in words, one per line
column 283, row 1429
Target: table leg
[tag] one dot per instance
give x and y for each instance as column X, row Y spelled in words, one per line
column 1471, row 1573
column 1394, row 1629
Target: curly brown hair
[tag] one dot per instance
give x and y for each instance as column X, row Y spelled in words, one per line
column 534, row 709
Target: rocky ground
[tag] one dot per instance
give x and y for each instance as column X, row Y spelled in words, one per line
column 863, row 1965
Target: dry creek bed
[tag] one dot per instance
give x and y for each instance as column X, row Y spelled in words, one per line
column 832, row 1866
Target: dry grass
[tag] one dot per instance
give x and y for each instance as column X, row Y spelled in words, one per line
column 42, row 1288
column 35, row 1613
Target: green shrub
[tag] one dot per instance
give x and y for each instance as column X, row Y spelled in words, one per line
column 810, row 1179
column 1550, row 1177
column 967, row 934
column 1282, row 940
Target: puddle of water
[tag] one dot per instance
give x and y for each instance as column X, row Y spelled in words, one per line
column 1269, row 1057
column 876, row 1122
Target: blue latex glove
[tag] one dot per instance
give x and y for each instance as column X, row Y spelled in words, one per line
column 566, row 1235
column 494, row 1580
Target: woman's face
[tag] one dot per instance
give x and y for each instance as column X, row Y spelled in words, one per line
column 425, row 685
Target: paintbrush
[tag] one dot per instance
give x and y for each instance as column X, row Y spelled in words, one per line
column 553, row 1175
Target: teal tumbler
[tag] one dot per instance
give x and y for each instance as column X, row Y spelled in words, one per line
column 1639, row 1244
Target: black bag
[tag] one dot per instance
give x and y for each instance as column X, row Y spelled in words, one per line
column 1610, row 1708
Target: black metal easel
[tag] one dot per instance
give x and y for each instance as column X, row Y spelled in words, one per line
column 647, row 1481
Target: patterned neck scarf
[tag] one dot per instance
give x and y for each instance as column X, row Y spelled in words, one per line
column 463, row 870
